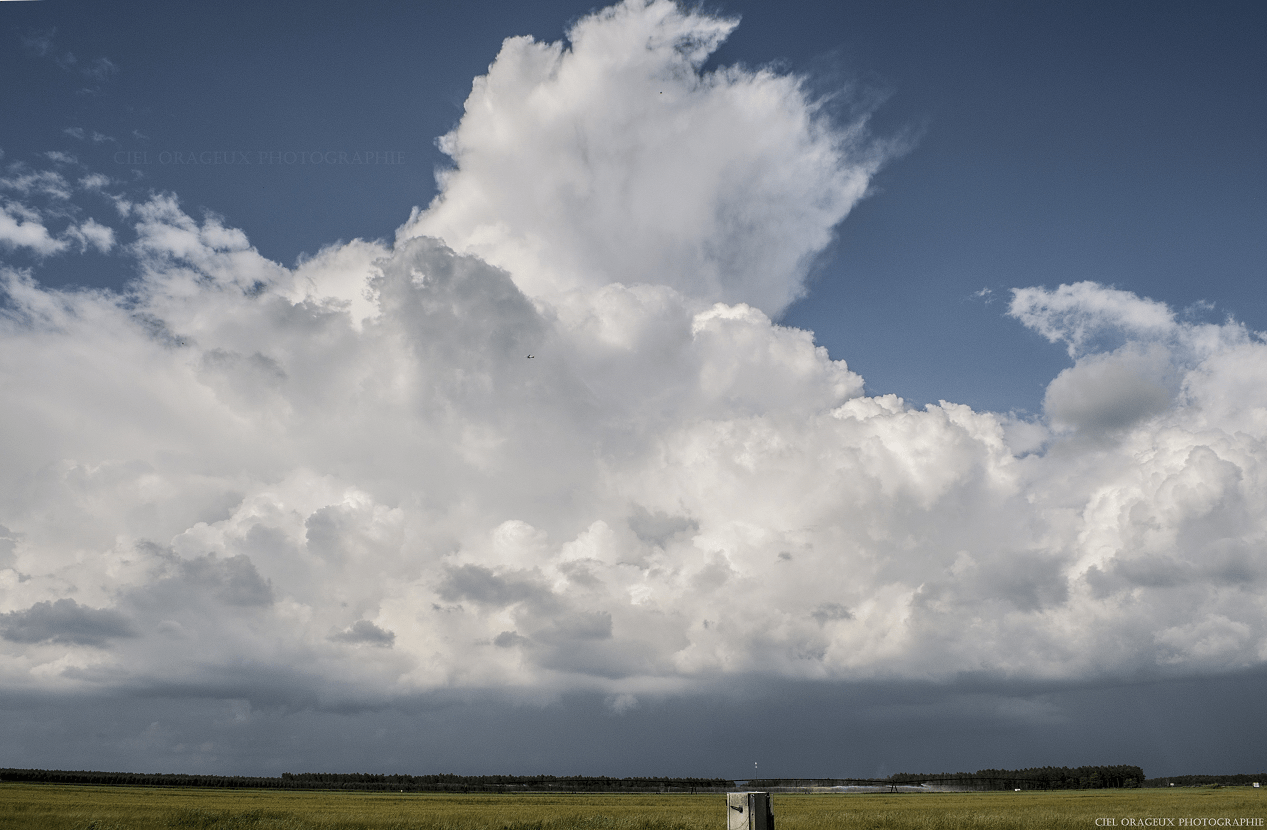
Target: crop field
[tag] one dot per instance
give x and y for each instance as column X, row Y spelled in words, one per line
column 67, row 807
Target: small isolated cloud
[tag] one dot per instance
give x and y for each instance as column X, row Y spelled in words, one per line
column 64, row 621
column 22, row 229
column 364, row 632
column 620, row 704
column 509, row 639
column 1084, row 314
column 91, row 234
column 94, row 181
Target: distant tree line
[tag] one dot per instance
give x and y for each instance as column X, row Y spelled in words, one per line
column 1208, row 780
column 135, row 779
column 1036, row 778
column 498, row 783
column 369, row 782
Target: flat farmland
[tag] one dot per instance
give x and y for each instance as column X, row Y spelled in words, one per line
column 68, row 807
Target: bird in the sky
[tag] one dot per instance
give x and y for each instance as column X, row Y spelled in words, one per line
column 531, row 356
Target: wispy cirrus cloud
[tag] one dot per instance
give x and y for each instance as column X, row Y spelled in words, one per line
column 40, row 42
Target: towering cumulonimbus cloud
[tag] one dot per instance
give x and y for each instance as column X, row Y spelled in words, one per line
column 615, row 160
column 347, row 481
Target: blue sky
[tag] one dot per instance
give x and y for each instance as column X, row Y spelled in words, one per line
column 277, row 410
column 1121, row 143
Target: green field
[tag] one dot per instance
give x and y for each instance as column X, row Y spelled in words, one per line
column 67, row 807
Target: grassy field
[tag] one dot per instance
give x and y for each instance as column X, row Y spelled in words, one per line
column 66, row 807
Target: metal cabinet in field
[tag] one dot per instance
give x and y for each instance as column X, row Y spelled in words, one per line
column 749, row 811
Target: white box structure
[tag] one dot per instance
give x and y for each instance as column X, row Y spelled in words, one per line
column 749, row 811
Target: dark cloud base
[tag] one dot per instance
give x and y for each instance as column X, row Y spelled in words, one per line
column 793, row 730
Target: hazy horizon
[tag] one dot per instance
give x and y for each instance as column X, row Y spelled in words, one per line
column 641, row 389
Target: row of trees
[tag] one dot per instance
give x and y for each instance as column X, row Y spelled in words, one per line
column 369, row 782
column 1036, row 778
column 135, row 779
column 499, row 783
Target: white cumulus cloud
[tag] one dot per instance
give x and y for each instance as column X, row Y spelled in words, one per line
column 22, row 228
column 551, row 438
